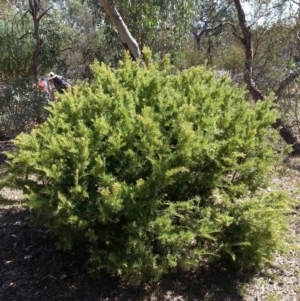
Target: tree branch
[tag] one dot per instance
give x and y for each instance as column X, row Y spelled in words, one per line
column 45, row 12
column 25, row 34
column 198, row 36
column 290, row 78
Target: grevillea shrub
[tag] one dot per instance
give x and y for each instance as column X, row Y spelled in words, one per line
column 154, row 169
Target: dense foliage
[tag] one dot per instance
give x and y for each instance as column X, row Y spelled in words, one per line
column 22, row 107
column 154, row 169
column 15, row 47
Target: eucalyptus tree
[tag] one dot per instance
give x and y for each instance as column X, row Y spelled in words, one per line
column 32, row 28
column 244, row 35
column 128, row 40
column 162, row 25
column 37, row 10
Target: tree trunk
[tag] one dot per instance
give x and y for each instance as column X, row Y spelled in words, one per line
column 128, row 41
column 285, row 132
column 34, row 10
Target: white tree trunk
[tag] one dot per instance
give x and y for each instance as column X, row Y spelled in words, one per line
column 128, row 41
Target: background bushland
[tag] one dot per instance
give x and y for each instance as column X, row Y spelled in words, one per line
column 22, row 107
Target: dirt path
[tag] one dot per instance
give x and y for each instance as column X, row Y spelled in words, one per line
column 32, row 269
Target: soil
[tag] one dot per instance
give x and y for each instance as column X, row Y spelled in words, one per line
column 31, row 268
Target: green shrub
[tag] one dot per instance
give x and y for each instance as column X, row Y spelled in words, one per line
column 22, row 106
column 154, row 169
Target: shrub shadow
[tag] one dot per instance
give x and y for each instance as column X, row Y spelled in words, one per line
column 31, row 268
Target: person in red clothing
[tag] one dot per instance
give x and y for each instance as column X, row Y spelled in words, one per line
column 45, row 87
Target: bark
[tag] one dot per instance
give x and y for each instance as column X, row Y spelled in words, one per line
column 128, row 41
column 285, row 131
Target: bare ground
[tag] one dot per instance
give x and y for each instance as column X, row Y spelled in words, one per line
column 31, row 268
